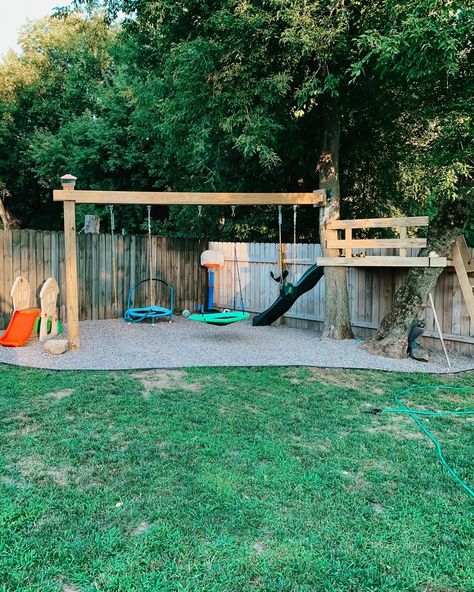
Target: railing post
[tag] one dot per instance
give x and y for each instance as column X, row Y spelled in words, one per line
column 68, row 183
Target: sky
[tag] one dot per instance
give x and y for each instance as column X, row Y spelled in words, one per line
column 14, row 13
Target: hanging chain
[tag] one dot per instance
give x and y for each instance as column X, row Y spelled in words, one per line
column 280, row 244
column 199, row 228
column 150, row 256
column 295, row 207
column 114, row 256
column 234, row 272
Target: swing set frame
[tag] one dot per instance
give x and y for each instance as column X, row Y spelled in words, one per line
column 70, row 196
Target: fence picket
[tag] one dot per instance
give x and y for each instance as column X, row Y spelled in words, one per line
column 26, row 255
column 8, row 275
column 3, row 273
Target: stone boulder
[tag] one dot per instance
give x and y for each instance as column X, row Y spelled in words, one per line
column 56, row 346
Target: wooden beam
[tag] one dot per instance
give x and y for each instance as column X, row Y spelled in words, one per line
column 72, row 293
column 450, row 337
column 379, row 223
column 376, row 243
column 167, row 198
column 438, row 261
column 465, row 253
column 382, row 261
column 464, row 280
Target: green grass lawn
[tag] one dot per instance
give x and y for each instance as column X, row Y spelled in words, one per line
column 230, row 480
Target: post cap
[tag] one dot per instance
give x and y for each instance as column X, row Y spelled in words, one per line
column 68, row 181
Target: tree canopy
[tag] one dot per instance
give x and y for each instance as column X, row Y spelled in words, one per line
column 233, row 95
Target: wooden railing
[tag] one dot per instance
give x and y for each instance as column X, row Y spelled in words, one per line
column 339, row 250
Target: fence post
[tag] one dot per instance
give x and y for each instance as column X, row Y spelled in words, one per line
column 68, row 183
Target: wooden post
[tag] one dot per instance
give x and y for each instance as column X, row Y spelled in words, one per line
column 348, row 236
column 462, row 264
column 403, row 235
column 72, row 294
column 438, row 326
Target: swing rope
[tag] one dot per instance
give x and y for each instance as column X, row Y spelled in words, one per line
column 199, row 305
column 280, row 245
column 114, row 257
column 226, row 317
column 150, row 256
column 151, row 312
column 236, row 273
column 238, row 278
column 294, row 242
column 283, row 273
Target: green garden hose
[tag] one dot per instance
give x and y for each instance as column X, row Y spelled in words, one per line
column 413, row 413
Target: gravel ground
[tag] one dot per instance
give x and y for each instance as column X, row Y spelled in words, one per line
column 115, row 345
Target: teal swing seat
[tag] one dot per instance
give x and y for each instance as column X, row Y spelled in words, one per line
column 226, row 317
column 211, row 316
column 153, row 312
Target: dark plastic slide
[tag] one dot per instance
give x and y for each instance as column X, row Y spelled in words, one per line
column 284, row 302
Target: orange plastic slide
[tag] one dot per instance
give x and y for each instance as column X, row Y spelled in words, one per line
column 20, row 327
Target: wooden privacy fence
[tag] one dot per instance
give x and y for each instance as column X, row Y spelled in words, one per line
column 38, row 255
column 371, row 291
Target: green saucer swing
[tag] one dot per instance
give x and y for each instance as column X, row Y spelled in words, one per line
column 226, row 317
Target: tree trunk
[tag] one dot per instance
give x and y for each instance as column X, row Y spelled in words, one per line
column 391, row 339
column 337, row 324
